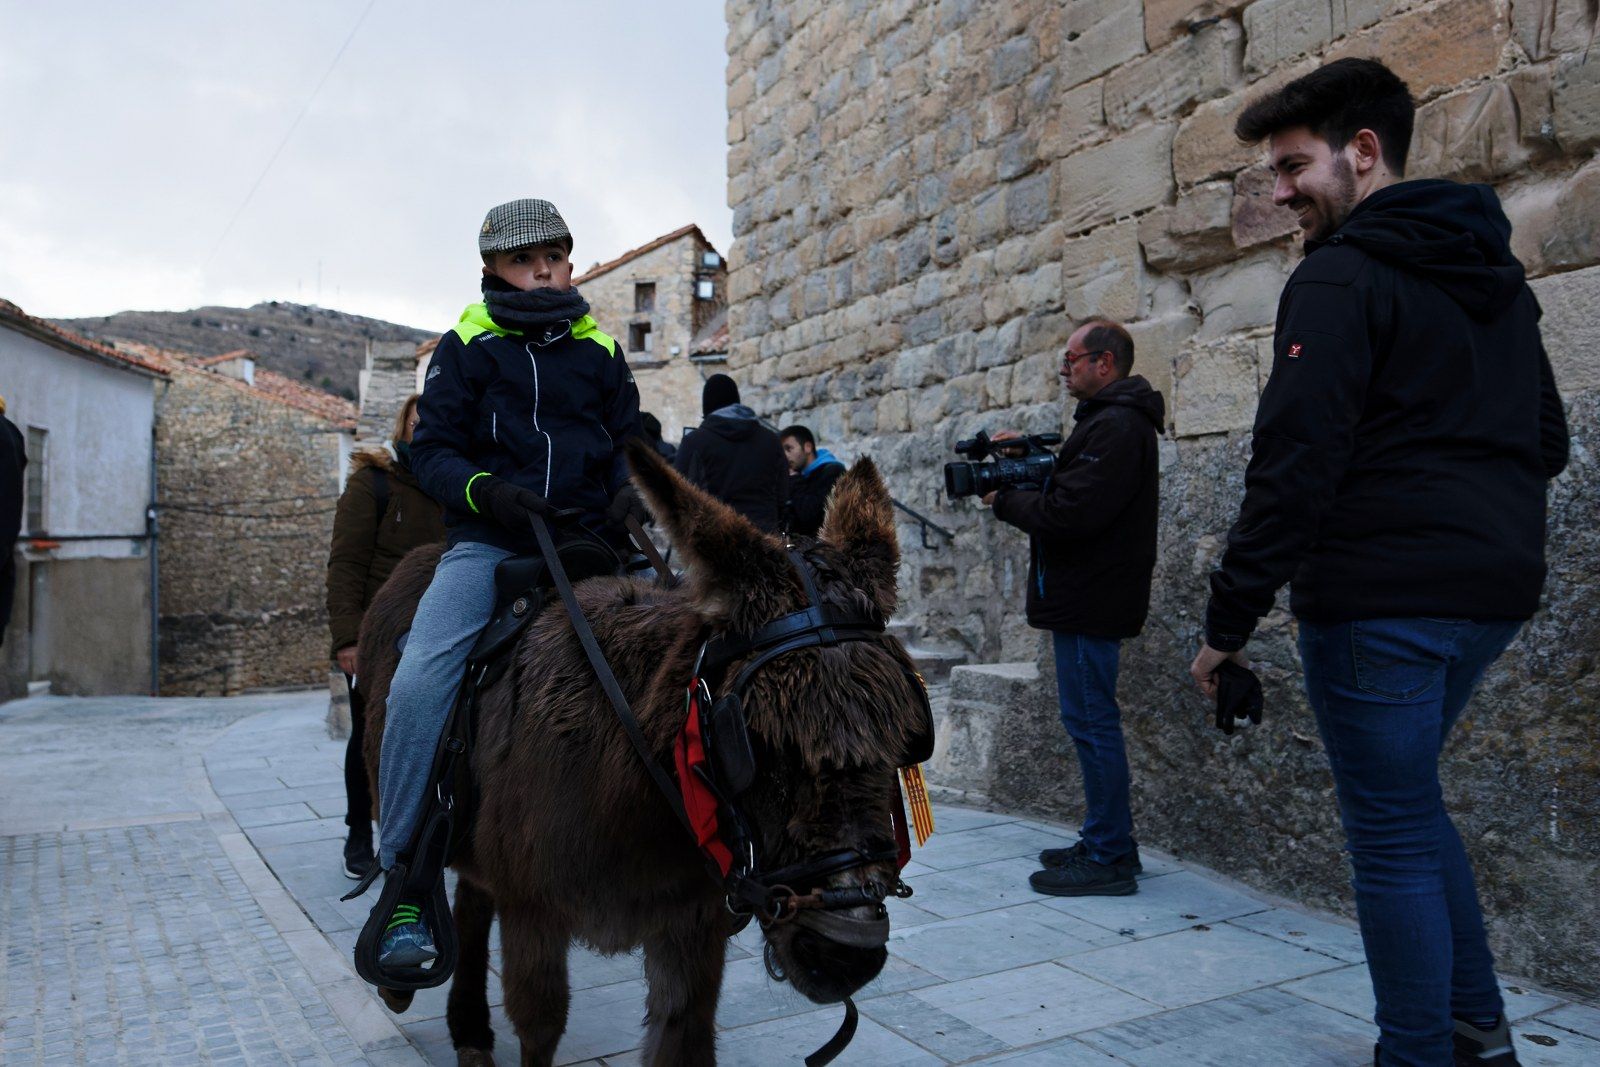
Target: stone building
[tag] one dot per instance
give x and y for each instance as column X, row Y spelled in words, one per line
column 81, row 622
column 249, row 467
column 926, row 197
column 664, row 302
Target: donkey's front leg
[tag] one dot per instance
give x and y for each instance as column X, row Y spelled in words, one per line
column 535, row 980
column 468, row 1017
column 683, row 965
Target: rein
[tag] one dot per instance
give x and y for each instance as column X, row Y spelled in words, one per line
column 767, row 897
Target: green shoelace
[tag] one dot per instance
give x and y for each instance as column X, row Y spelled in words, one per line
column 403, row 915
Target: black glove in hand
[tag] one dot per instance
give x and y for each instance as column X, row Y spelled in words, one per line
column 628, row 504
column 508, row 504
column 1238, row 695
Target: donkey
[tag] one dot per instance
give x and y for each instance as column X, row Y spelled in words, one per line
column 574, row 842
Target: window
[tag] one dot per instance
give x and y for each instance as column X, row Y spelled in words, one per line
column 710, row 259
column 37, row 461
column 644, row 296
column 639, row 337
column 705, row 289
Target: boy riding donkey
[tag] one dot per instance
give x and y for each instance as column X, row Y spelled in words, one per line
column 524, row 410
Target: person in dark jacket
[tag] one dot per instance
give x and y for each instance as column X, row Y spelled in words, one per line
column 735, row 458
column 382, row 515
column 13, row 461
column 652, row 433
column 524, row 410
column 1092, row 541
column 1401, row 452
column 812, row 472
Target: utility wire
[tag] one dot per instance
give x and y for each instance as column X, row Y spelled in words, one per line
column 284, row 143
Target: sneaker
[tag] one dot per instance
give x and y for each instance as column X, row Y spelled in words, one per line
column 358, row 857
column 407, row 941
column 1083, row 877
column 1060, row 857
column 1490, row 1048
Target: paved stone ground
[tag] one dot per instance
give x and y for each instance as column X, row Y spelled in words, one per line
column 1191, row 970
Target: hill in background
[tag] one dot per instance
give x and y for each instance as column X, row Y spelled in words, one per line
column 316, row 345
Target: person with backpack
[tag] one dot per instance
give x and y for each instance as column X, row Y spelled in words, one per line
column 382, row 515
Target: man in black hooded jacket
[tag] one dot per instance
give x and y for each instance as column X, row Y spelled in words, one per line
column 734, row 457
column 1401, row 451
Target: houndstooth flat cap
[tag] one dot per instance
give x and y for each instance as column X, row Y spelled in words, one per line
column 522, row 223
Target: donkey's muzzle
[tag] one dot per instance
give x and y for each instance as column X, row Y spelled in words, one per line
column 826, row 970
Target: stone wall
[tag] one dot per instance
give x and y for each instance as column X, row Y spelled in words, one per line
column 927, row 195
column 669, row 381
column 247, row 485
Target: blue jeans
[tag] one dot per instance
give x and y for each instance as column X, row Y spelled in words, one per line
column 1086, row 679
column 453, row 611
column 1386, row 693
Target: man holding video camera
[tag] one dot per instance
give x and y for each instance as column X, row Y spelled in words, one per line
column 1092, row 546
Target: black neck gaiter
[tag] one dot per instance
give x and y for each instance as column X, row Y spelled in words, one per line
column 535, row 310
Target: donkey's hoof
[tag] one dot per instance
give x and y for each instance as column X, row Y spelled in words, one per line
column 396, row 1000
column 474, row 1057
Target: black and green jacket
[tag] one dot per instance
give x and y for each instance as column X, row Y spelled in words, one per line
column 550, row 417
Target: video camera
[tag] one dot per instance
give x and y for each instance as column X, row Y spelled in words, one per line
column 977, row 478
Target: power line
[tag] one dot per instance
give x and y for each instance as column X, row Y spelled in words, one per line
column 284, row 143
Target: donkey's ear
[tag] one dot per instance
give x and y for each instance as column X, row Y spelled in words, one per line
column 728, row 557
column 860, row 523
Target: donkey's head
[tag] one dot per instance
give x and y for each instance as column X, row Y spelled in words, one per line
column 829, row 726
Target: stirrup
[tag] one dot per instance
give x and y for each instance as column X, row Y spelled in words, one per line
column 425, row 885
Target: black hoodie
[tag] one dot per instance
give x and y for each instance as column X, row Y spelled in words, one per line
column 1092, row 530
column 1403, row 442
column 740, row 462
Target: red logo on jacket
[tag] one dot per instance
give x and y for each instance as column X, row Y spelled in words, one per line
column 1295, row 350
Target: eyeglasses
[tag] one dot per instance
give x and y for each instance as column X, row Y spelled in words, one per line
column 1069, row 358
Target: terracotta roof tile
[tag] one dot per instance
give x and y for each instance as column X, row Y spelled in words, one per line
column 268, row 384
column 49, row 331
column 666, row 238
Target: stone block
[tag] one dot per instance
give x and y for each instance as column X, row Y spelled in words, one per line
column 1437, row 47
column 1556, row 225
column 1074, row 117
column 1167, row 20
column 1469, row 136
column 1570, row 327
column 1205, row 146
column 1119, row 177
column 1028, row 202
column 1214, row 387
column 1192, row 233
column 1255, row 218
column 1013, row 61
column 1198, row 66
column 1575, row 102
column 1100, row 273
column 1097, row 35
column 1239, row 296
column 1156, row 346
column 1278, row 30
column 1549, row 27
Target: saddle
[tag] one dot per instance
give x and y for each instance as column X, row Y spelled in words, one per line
column 450, row 801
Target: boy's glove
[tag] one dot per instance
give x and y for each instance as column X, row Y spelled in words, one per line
column 628, row 504
column 510, row 505
column 1238, row 696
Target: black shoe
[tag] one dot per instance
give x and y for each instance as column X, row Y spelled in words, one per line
column 1488, row 1048
column 1083, row 877
column 358, row 859
column 1059, row 857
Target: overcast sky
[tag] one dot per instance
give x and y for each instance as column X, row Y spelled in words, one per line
column 134, row 132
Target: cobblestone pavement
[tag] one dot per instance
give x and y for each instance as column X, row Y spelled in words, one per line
column 212, row 929
column 137, row 925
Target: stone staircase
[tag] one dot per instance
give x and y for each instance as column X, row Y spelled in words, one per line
column 934, row 663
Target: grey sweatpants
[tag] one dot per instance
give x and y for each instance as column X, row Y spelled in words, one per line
column 452, row 613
